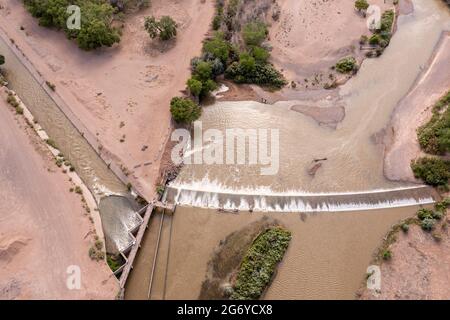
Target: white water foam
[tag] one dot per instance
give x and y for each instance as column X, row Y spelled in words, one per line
column 213, row 195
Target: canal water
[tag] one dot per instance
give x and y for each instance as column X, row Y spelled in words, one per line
column 118, row 214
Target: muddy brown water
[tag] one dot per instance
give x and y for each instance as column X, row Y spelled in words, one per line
column 354, row 161
column 327, row 257
column 329, row 251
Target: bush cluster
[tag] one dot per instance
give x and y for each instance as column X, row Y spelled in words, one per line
column 434, row 136
column 259, row 263
column 165, row 28
column 184, row 110
column 347, row 65
column 432, row 171
column 428, row 218
column 96, row 20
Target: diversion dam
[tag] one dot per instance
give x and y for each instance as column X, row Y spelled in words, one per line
column 332, row 244
column 118, row 210
column 302, row 202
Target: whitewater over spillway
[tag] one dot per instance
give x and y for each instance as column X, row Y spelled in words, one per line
column 205, row 194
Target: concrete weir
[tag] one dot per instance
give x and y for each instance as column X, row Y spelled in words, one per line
column 303, row 202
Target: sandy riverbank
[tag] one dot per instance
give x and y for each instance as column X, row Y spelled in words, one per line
column 43, row 227
column 121, row 92
column 413, row 111
column 309, row 38
column 419, row 268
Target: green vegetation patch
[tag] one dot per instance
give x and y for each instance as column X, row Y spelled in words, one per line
column 114, row 262
column 184, row 110
column 165, row 28
column 347, row 65
column 434, row 136
column 361, row 5
column 259, row 263
column 96, row 20
column 429, row 218
column 433, row 171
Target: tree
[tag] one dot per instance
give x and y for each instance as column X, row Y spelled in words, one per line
column 95, row 27
column 261, row 55
column 432, row 171
column 195, row 86
column 346, row 65
column 254, row 33
column 165, row 29
column 218, row 47
column 203, row 71
column 96, row 20
column 247, row 63
column 2, row 59
column 208, row 86
column 184, row 110
column 361, row 5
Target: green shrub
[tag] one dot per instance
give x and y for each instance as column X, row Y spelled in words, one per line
column 424, row 214
column 203, row 71
column 165, row 28
column 265, row 75
column 387, row 20
column 428, row 224
column 434, row 136
column 405, row 227
column 438, row 215
column 387, row 254
column 208, row 86
column 346, row 65
column 217, row 21
column 254, row 33
column 160, row 190
column 432, row 171
column 443, row 205
column 361, row 5
column 194, row 86
column 114, row 262
column 2, row 60
column 375, row 39
column 261, row 55
column 247, row 63
column 260, row 262
column 96, row 20
column 184, row 110
column 218, row 47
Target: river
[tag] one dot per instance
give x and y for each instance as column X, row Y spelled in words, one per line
column 330, row 251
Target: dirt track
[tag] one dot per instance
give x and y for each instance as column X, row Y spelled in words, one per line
column 43, row 227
